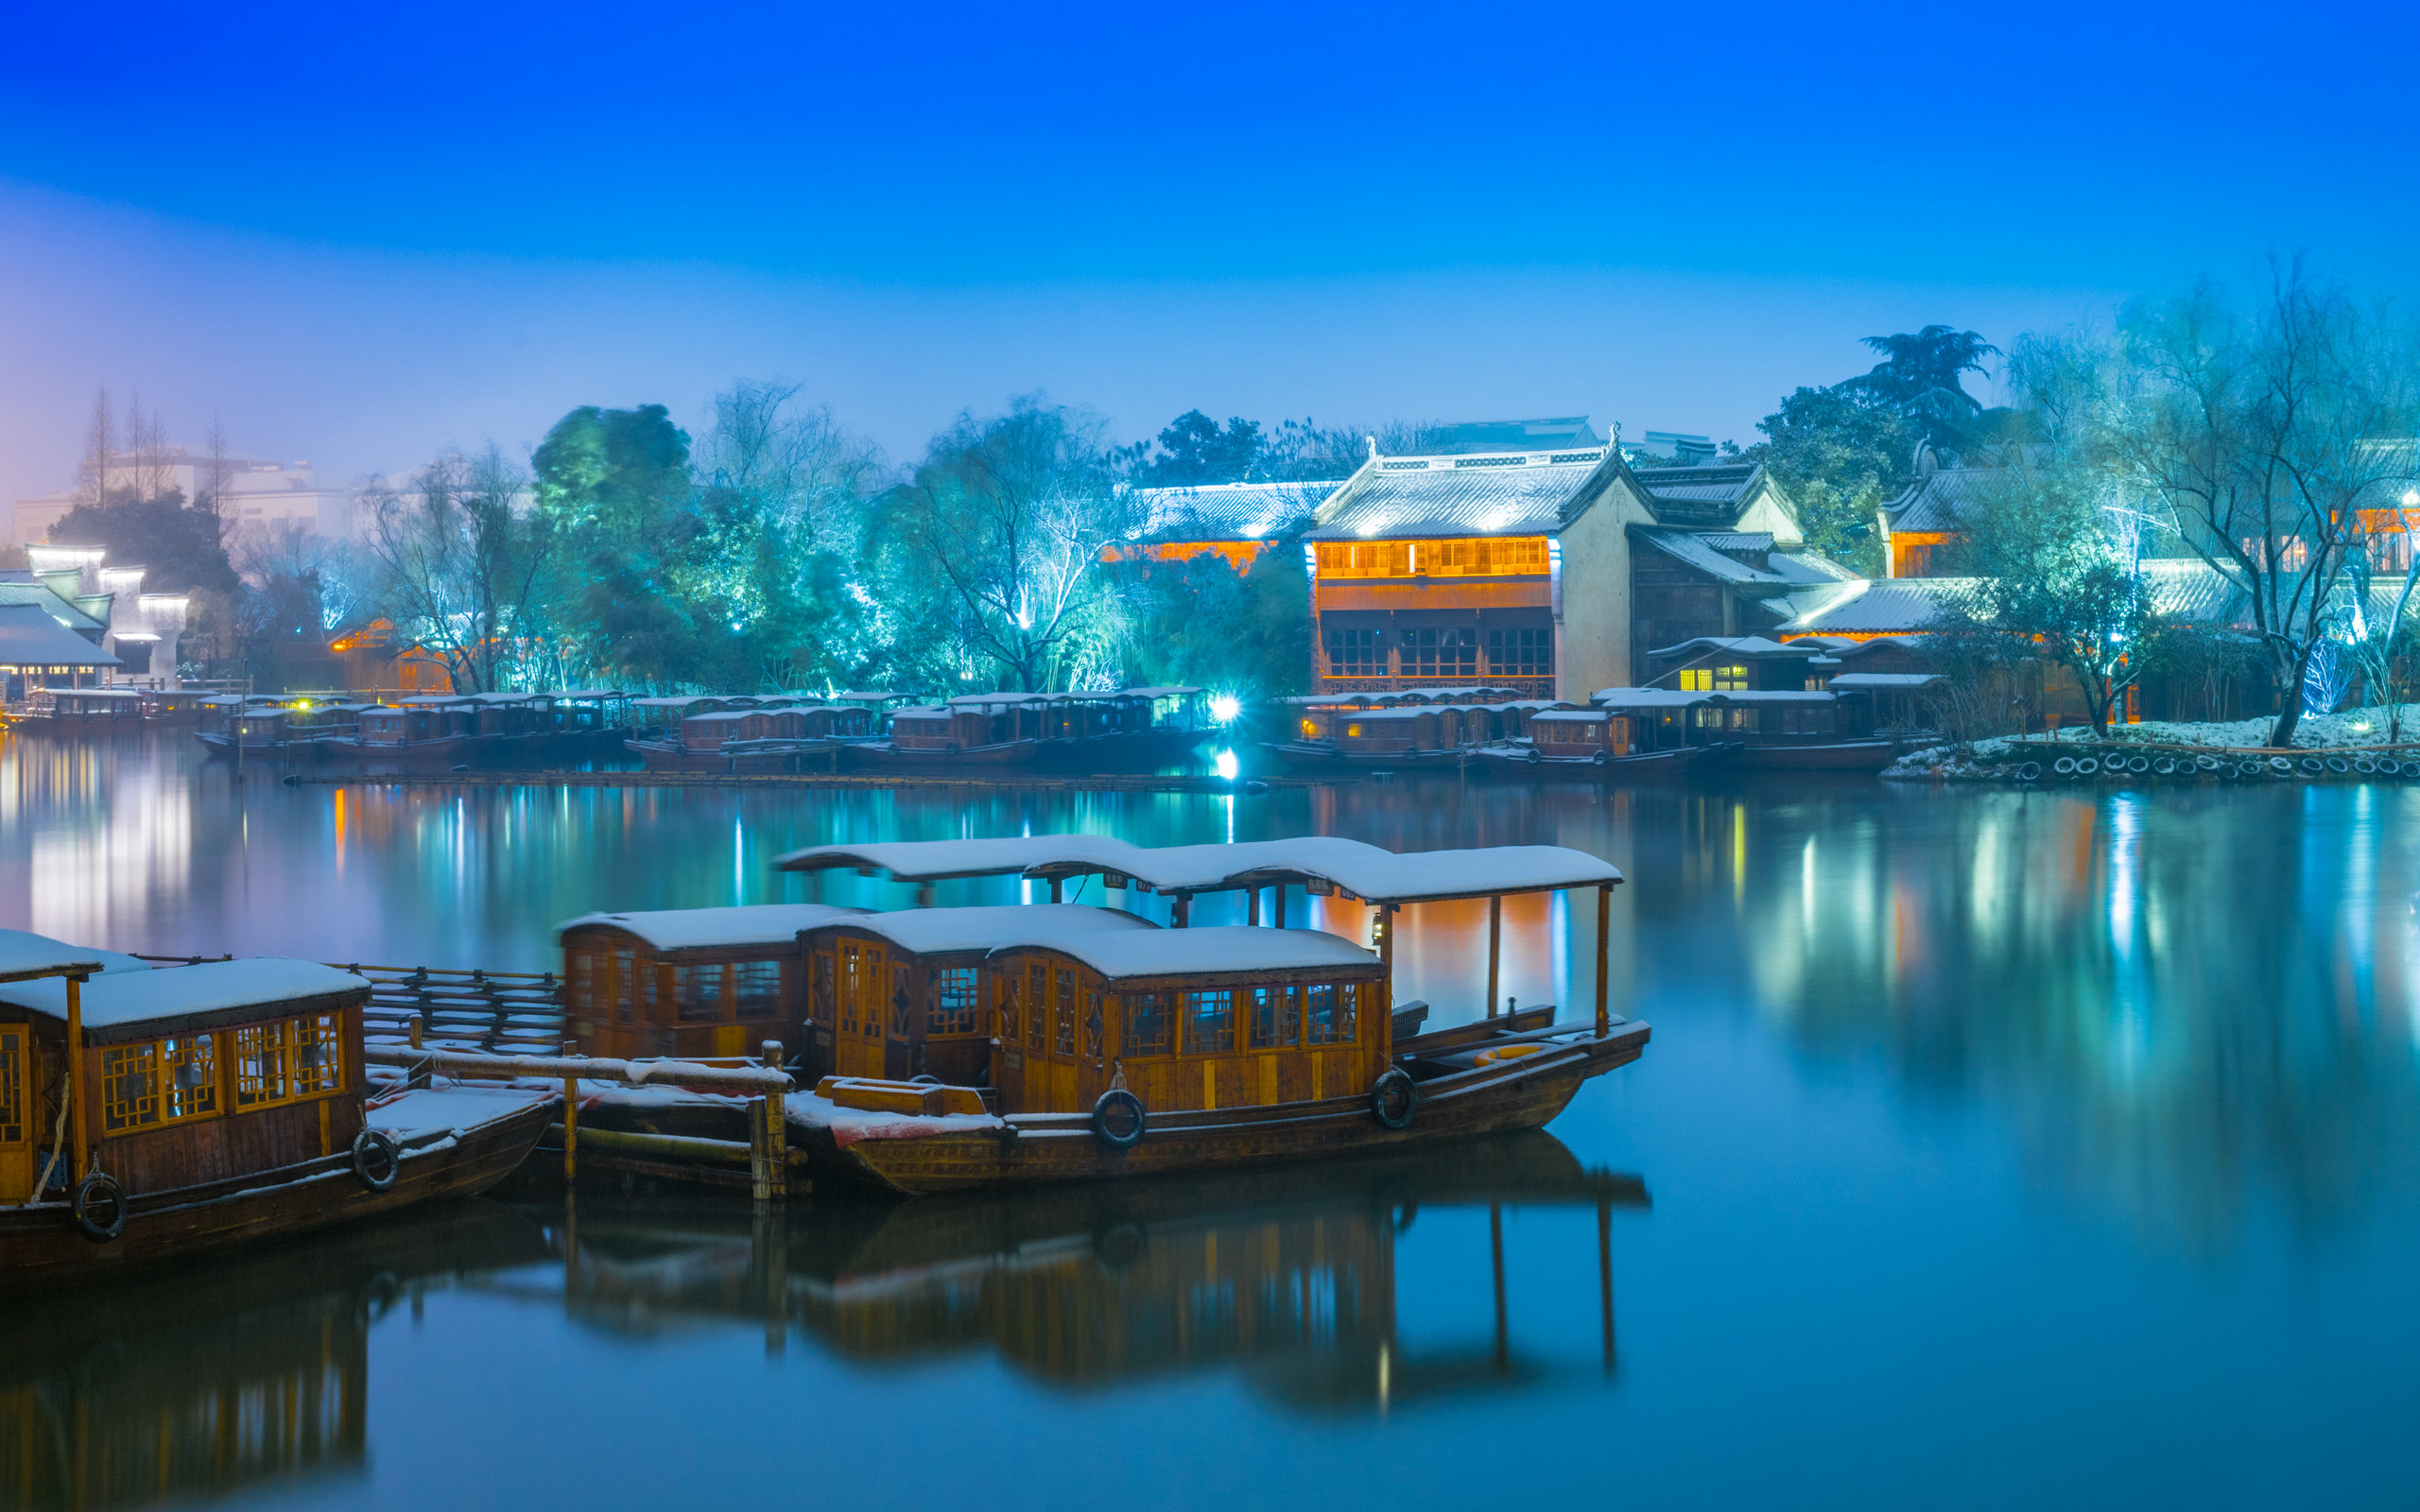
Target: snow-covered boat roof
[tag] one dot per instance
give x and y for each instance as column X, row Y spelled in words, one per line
column 118, row 1000
column 1644, row 698
column 1878, row 680
column 937, row 931
column 1363, row 871
column 1128, row 953
column 1570, row 716
column 25, row 956
column 691, row 929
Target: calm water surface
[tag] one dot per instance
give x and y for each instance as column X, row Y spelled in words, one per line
column 1995, row 1149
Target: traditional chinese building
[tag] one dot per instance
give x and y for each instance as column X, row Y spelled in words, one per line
column 1548, row 572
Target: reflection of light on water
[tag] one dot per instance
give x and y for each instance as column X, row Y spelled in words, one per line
column 2129, row 1031
column 1806, row 891
column 1225, row 763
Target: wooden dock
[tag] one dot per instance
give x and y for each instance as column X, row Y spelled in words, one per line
column 867, row 781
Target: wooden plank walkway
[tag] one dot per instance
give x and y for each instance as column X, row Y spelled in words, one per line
column 1024, row 781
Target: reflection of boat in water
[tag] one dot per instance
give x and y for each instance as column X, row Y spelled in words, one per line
column 1288, row 1275
column 223, row 1376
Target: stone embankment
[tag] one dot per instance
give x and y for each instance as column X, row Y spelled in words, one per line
column 2136, row 763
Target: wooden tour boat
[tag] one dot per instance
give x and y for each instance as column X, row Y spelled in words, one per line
column 775, row 736
column 1412, row 728
column 693, row 984
column 149, row 1116
column 1128, row 729
column 1117, row 1051
column 1590, row 744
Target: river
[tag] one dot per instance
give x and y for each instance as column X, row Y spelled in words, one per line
column 1994, row 1148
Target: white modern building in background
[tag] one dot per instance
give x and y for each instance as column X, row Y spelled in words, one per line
column 252, row 493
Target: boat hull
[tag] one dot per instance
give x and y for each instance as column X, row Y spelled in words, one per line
column 41, row 1249
column 1639, row 767
column 801, row 756
column 1304, row 755
column 1042, row 1149
column 1845, row 756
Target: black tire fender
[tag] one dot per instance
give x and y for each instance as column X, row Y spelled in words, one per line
column 1394, row 1098
column 97, row 1208
column 1111, row 1118
column 377, row 1158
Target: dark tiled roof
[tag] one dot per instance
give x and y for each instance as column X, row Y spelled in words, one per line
column 1228, row 511
column 1866, row 606
column 37, row 595
column 1939, row 504
column 30, row 637
column 1694, row 549
column 1511, row 493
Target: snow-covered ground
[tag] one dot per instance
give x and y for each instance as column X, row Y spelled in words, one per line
column 2352, row 727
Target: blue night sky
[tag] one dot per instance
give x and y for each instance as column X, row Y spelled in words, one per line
column 361, row 233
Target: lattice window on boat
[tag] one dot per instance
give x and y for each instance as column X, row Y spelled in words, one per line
column 852, row 986
column 1276, row 1017
column 317, row 1048
column 756, row 989
column 955, row 1001
column 696, row 992
column 1209, row 1022
column 580, row 982
column 1327, row 1018
column 1063, row 1018
column 819, row 1006
column 621, row 987
column 1151, row 1022
column 1095, row 1025
column 189, row 1073
column 12, row 1086
column 903, row 1002
column 130, row 1087
column 260, row 1066
column 1037, row 997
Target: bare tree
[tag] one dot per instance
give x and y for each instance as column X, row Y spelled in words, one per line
column 2254, row 439
column 1013, row 514
column 100, row 440
column 216, row 469
column 458, row 563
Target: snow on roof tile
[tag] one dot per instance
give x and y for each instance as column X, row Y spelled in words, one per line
column 38, row 595
column 1692, row 549
column 1938, row 505
column 934, row 931
column 1807, row 567
column 1739, row 645
column 1194, row 953
column 122, row 999
column 1504, row 494
column 1228, row 511
column 1867, row 605
column 30, row 636
column 24, row 956
column 1849, row 681
column 690, row 929
column 1644, row 698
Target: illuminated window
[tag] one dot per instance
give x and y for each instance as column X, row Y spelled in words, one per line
column 1209, row 1022
column 1148, row 1022
column 1430, row 653
column 1731, row 678
column 1354, row 653
column 130, row 1087
column 851, row 969
column 955, row 1002
column 1353, row 731
column 1696, row 680
column 757, row 988
column 1328, row 1018
column 1310, row 730
column 1276, row 1017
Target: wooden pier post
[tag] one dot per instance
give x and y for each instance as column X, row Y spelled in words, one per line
column 1251, row 905
column 1181, row 911
column 74, row 1103
column 1494, row 948
column 571, row 1130
column 1281, row 905
column 1495, row 1247
column 1055, row 885
column 760, row 1168
column 1605, row 1273
column 1604, row 922
column 775, row 1137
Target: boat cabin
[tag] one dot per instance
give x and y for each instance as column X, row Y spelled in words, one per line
column 183, row 1076
column 1581, row 734
column 689, row 983
column 1660, row 719
column 1428, row 718
column 172, row 706
column 96, row 705
column 439, row 716
column 894, row 995
column 1783, row 717
column 1737, row 663
column 708, row 733
column 1233, row 1016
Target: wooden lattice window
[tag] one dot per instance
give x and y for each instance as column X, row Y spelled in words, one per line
column 1209, row 1021
column 130, row 1087
column 260, row 1066
column 1276, row 1017
column 756, row 989
column 956, row 1001
column 1094, row 1026
column 1037, row 994
column 12, row 1086
column 903, row 1002
column 1519, row 653
column 822, row 1008
column 1062, row 1036
column 580, row 980
column 1150, row 1021
column 852, row 986
column 1328, row 1017
column 622, row 987
column 1354, row 653
column 316, row 1048
column 1008, row 1008
column 698, row 992
column 189, row 1072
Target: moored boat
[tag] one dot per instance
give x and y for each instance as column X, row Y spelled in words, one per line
column 1119, row 1053
column 1590, row 745
column 1126, row 729
column 1410, row 728
column 208, row 1108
